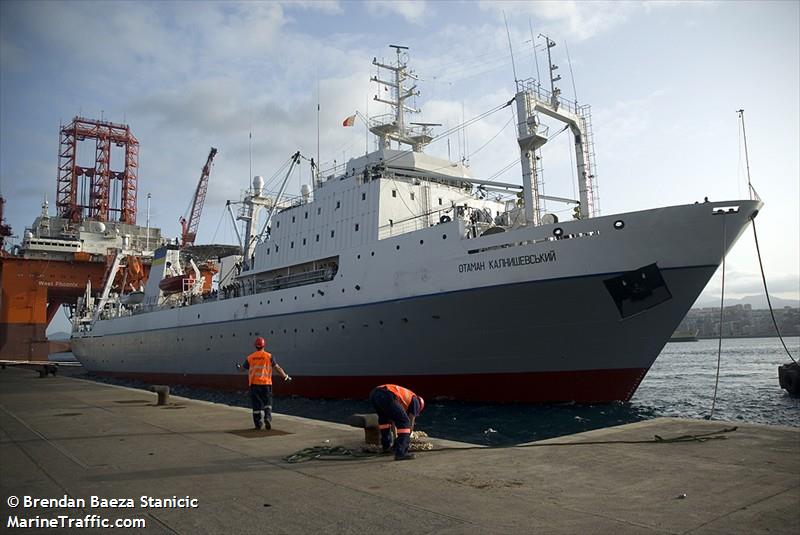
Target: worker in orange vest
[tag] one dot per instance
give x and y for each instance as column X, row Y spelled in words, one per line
column 259, row 365
column 399, row 406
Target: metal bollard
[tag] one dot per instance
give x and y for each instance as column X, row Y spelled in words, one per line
column 369, row 423
column 163, row 393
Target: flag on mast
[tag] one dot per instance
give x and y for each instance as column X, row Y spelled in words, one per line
column 350, row 121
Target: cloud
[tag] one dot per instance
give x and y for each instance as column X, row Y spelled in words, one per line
column 411, row 10
column 327, row 6
column 574, row 19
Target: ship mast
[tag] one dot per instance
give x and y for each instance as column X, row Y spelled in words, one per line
column 532, row 99
column 393, row 126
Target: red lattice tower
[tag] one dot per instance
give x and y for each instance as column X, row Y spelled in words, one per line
column 97, row 192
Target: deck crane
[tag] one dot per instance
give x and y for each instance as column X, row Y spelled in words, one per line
column 189, row 228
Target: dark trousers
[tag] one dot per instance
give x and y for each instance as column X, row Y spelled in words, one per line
column 261, row 398
column 390, row 411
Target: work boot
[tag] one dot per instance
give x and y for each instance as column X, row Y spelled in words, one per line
column 388, row 449
column 267, row 425
column 258, row 426
column 404, row 457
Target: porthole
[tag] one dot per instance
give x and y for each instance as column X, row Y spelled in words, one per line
column 358, row 257
column 295, row 298
column 558, row 232
column 421, row 242
column 358, row 287
column 397, row 247
column 444, row 236
column 619, row 224
column 372, row 253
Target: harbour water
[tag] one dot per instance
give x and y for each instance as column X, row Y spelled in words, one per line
column 681, row 383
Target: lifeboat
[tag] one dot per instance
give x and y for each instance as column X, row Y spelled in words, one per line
column 133, row 298
column 178, row 283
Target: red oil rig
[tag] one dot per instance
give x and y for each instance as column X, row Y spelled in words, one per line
column 95, row 218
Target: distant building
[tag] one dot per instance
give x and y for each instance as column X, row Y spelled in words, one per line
column 741, row 320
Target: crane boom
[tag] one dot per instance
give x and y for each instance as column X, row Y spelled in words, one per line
column 189, row 229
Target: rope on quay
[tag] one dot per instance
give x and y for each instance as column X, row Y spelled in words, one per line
column 340, row 453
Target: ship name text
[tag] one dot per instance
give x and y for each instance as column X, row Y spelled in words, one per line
column 59, row 284
column 508, row 262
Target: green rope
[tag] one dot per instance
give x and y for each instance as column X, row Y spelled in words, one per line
column 327, row 453
column 340, row 453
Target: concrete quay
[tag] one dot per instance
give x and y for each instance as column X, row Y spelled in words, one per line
column 70, row 437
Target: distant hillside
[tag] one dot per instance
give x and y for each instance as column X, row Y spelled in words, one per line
column 755, row 301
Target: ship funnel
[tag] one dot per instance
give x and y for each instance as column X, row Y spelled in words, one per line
column 305, row 191
column 258, row 185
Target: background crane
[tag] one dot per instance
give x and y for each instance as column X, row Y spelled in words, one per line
column 189, row 229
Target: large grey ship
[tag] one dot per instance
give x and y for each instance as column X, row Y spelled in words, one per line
column 401, row 267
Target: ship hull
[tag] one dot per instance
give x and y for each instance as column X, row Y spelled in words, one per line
column 510, row 317
column 542, row 341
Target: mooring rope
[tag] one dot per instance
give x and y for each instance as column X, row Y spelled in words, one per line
column 721, row 312
column 766, row 291
column 340, row 453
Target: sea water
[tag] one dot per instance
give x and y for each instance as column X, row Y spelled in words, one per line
column 680, row 383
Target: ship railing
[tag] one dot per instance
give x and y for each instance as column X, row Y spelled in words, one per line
column 539, row 93
column 417, row 222
column 332, row 172
column 296, row 279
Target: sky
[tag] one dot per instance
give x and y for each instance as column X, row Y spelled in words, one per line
column 664, row 80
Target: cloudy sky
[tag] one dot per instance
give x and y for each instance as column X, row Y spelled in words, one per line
column 664, row 80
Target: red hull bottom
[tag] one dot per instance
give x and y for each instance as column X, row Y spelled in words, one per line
column 590, row 386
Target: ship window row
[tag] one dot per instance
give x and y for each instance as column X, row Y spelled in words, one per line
column 356, row 228
column 589, row 234
column 54, row 244
column 341, row 327
column 338, row 205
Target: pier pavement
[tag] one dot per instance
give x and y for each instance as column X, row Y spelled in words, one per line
column 71, row 438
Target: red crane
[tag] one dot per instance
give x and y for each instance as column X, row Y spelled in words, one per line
column 189, row 229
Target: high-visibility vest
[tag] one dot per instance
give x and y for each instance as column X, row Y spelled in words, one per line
column 260, row 368
column 404, row 395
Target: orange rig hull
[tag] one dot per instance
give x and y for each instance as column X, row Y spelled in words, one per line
column 32, row 292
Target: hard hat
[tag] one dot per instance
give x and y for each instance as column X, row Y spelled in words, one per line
column 421, row 404
column 260, row 343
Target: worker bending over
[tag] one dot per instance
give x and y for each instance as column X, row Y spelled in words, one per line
column 399, row 406
column 259, row 365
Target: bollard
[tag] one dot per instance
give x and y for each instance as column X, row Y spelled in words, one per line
column 163, row 393
column 369, row 423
